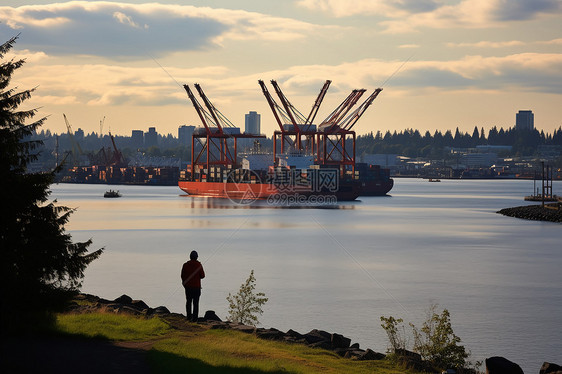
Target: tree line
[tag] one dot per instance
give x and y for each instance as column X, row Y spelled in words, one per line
column 412, row 143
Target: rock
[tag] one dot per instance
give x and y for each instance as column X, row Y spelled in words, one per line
column 270, row 334
column 139, row 304
column 340, row 341
column 370, row 355
column 501, row 365
column 353, row 353
column 130, row 310
column 161, row 310
column 123, row 299
column 354, row 346
column 549, row 368
column 210, row 315
column 294, row 334
column 316, row 336
column 244, row 328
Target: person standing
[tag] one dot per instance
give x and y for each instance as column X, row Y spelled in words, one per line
column 191, row 275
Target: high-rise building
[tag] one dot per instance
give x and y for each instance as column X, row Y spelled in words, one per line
column 137, row 139
column 525, row 120
column 79, row 134
column 151, row 137
column 184, row 134
column 252, row 123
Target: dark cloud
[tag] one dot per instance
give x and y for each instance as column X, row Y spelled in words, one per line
column 113, row 31
column 518, row 10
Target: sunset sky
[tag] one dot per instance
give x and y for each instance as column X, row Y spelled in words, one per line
column 441, row 63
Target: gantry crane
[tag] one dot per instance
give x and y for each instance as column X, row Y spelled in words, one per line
column 216, row 138
column 337, row 129
column 295, row 132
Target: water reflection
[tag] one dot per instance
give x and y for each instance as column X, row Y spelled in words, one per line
column 200, row 202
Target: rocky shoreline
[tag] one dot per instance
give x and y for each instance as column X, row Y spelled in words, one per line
column 550, row 213
column 337, row 343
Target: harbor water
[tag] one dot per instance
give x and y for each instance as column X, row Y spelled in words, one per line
column 340, row 268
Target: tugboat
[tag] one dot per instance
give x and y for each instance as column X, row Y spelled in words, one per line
column 111, row 193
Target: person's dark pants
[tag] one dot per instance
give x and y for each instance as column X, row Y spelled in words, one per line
column 192, row 296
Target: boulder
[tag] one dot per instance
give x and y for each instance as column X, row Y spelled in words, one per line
column 549, row 368
column 294, row 334
column 123, row 299
column 244, row 328
column 340, row 341
column 353, row 353
column 501, row 365
column 270, row 334
column 316, row 336
column 354, row 346
column 161, row 310
column 210, row 315
column 139, row 304
column 370, row 355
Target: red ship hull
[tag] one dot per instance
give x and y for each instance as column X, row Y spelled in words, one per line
column 244, row 191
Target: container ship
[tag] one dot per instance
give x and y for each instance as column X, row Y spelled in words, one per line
column 308, row 161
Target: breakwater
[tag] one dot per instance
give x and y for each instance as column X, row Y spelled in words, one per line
column 550, row 212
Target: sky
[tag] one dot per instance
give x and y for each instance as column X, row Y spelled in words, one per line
column 442, row 64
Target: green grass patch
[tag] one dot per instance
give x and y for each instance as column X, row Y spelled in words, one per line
column 219, row 351
column 201, row 350
column 111, row 326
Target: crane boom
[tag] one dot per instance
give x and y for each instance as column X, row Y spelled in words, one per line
column 272, row 104
column 352, row 119
column 294, row 115
column 332, row 121
column 317, row 103
column 198, row 108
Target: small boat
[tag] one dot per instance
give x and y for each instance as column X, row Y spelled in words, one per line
column 434, row 180
column 111, row 193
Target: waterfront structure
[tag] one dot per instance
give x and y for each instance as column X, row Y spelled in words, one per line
column 151, row 137
column 184, row 134
column 525, row 120
column 137, row 138
column 252, row 123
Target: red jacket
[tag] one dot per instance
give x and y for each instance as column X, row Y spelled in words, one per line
column 191, row 274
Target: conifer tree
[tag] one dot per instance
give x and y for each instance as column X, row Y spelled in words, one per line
column 40, row 265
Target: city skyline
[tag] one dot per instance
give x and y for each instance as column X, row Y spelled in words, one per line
column 441, row 64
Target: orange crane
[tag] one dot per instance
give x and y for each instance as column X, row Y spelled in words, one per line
column 295, row 125
column 335, row 131
column 215, row 138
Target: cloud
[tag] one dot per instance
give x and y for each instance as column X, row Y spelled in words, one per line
column 130, row 30
column 409, row 15
column 503, row 44
column 487, row 44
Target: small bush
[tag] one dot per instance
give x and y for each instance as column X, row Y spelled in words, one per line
column 246, row 304
column 435, row 341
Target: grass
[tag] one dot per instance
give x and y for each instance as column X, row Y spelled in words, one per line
column 202, row 350
column 118, row 327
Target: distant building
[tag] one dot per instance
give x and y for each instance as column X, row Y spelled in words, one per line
column 252, row 123
column 525, row 120
column 137, row 139
column 184, row 134
column 79, row 134
column 151, row 137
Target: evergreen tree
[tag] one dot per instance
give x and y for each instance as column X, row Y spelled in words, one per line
column 41, row 266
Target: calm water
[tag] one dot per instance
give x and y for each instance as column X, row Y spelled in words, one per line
column 341, row 269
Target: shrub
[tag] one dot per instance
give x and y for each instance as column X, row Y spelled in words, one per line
column 246, row 304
